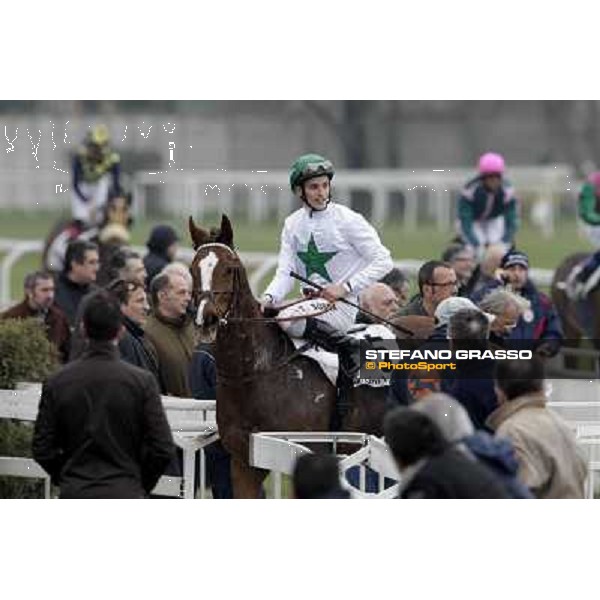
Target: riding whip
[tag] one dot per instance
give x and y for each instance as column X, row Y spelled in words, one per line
column 364, row 310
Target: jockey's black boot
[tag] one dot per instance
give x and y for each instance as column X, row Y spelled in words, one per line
column 333, row 340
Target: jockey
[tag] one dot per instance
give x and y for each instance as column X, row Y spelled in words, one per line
column 333, row 246
column 585, row 277
column 487, row 207
column 96, row 171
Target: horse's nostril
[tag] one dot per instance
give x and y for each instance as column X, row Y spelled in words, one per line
column 210, row 320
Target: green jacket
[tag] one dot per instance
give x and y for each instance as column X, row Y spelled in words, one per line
column 477, row 204
column 589, row 204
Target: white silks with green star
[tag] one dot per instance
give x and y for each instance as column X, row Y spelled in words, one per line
column 335, row 245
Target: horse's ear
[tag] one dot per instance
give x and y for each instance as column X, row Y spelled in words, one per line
column 226, row 235
column 199, row 236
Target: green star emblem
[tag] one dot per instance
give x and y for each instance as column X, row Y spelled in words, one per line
column 314, row 261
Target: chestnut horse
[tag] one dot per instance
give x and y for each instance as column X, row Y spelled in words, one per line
column 263, row 382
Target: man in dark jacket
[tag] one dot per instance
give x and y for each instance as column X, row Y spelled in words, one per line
column 101, row 429
column 39, row 304
column 134, row 347
column 317, row 477
column 539, row 324
column 472, row 383
column 78, row 278
column 162, row 246
column 437, row 281
column 429, row 466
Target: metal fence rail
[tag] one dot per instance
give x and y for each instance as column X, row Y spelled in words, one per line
column 259, row 265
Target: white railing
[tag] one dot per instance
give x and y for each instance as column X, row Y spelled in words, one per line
column 192, row 422
column 265, row 194
column 259, row 264
column 277, row 451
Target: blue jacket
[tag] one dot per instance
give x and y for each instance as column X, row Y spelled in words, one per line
column 544, row 324
column 472, row 384
column 498, row 454
column 203, row 373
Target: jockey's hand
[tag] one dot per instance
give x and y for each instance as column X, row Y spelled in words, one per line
column 266, row 302
column 311, row 293
column 333, row 292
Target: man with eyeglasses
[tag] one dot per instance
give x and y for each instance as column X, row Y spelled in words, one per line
column 437, row 281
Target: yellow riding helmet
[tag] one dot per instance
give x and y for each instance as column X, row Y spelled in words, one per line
column 99, row 135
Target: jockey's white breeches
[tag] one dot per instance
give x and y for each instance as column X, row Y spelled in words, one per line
column 91, row 212
column 593, row 234
column 488, row 233
column 341, row 316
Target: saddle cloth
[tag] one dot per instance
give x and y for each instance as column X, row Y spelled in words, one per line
column 329, row 361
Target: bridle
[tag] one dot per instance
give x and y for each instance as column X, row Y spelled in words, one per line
column 236, row 269
column 198, row 296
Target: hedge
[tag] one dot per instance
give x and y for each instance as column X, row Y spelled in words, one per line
column 25, row 355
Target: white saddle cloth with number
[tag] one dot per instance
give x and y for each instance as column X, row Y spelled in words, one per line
column 329, row 361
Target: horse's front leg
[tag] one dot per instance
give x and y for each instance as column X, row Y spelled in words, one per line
column 247, row 481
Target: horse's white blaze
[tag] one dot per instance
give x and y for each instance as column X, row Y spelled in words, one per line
column 199, row 317
column 207, row 267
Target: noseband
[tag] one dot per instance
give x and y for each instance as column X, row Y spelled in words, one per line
column 212, row 294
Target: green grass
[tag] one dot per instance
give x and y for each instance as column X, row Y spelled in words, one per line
column 422, row 243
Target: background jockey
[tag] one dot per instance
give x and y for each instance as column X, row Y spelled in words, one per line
column 487, row 207
column 333, row 246
column 96, row 172
column 586, row 276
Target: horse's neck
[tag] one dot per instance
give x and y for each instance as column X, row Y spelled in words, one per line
column 244, row 305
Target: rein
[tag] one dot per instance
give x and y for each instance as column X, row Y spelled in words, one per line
column 225, row 318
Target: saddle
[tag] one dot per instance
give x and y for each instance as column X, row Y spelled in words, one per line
column 329, row 361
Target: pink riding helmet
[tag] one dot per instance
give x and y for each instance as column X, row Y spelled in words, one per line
column 594, row 179
column 491, row 163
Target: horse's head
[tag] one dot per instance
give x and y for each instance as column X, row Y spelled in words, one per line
column 216, row 271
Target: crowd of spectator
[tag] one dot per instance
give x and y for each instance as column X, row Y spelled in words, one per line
column 124, row 332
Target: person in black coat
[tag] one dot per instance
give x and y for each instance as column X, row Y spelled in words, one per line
column 430, row 467
column 472, row 383
column 317, row 477
column 134, row 347
column 101, row 430
column 78, row 279
column 162, row 246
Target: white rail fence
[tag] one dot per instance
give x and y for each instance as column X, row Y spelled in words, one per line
column 259, row 264
column 261, row 195
column 277, row 451
column 264, row 194
column 193, row 424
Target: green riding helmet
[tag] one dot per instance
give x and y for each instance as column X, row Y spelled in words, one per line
column 308, row 166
